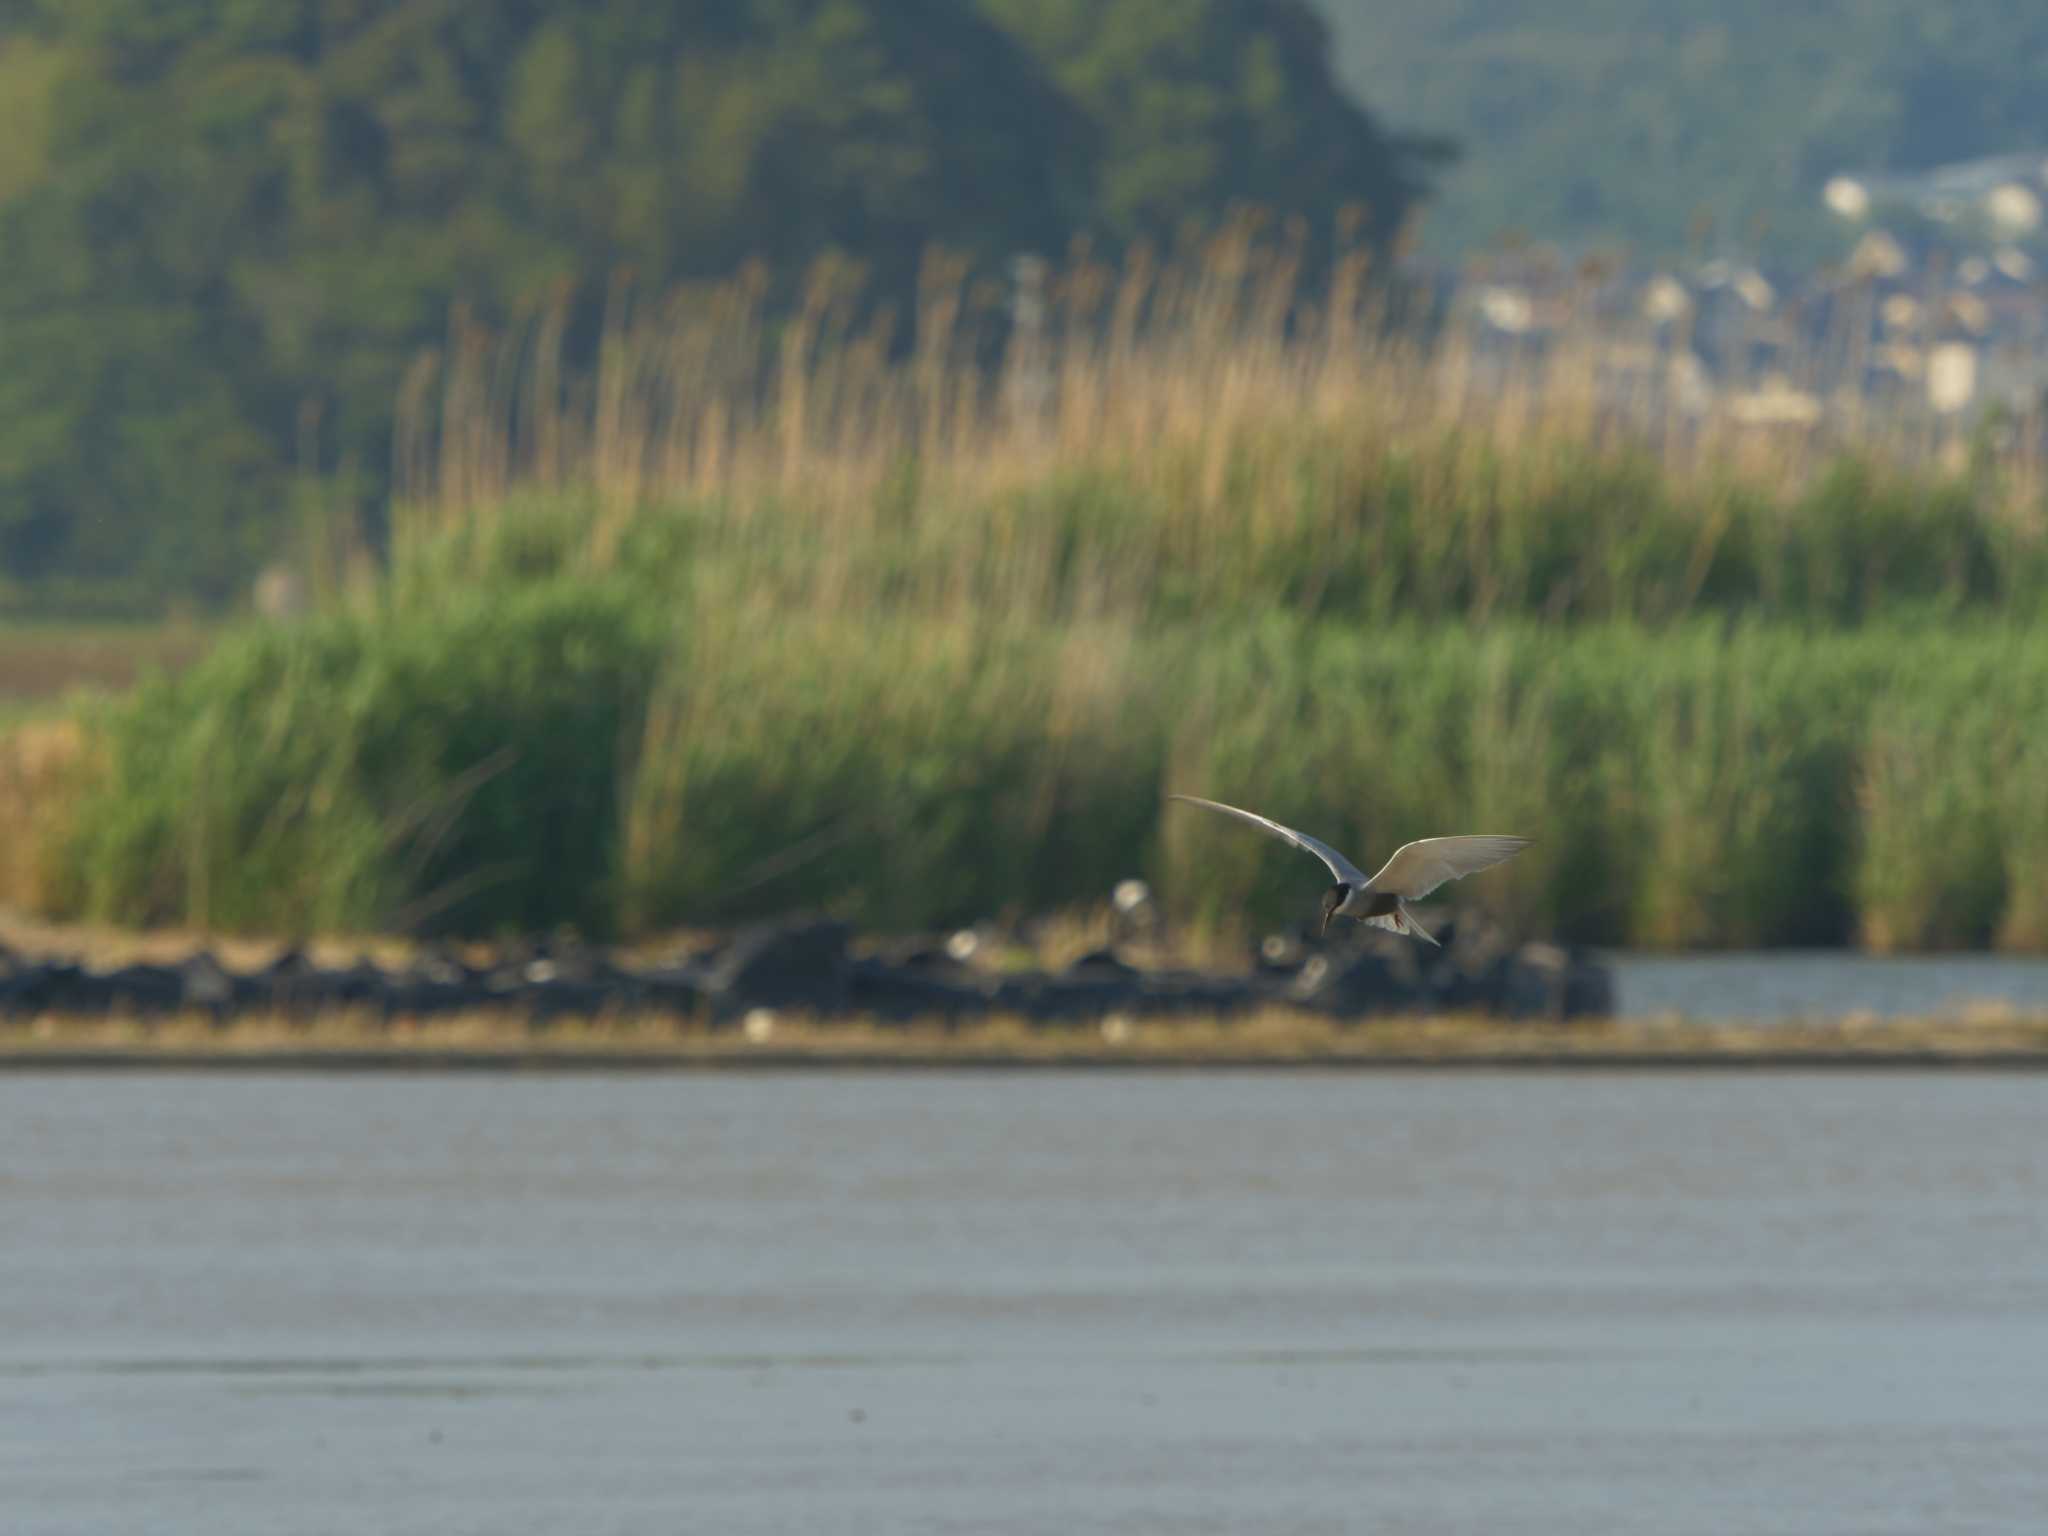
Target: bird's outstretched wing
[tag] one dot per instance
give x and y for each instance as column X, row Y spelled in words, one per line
column 1340, row 866
column 1418, row 868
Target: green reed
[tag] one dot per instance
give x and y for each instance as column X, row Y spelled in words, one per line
column 767, row 616
column 625, row 759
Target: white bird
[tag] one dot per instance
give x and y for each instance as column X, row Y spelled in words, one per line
column 1412, row 873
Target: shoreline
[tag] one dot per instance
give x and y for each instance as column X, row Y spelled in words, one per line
column 1277, row 1041
column 388, row 1064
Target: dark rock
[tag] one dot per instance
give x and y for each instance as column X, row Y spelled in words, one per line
column 800, row 965
column 206, row 986
column 673, row 989
column 1359, row 980
column 1546, row 981
column 564, row 956
column 505, row 981
column 513, row 954
column 914, row 950
column 359, row 985
column 1469, row 974
column 445, row 966
column 1066, row 999
column 901, row 994
column 64, row 986
column 81, row 989
column 804, row 966
column 141, row 989
column 20, row 989
column 559, row 997
column 436, row 984
column 291, row 964
column 1102, row 965
column 290, row 984
column 1194, row 992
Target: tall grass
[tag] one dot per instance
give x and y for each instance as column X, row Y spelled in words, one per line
column 760, row 615
column 463, row 765
column 562, row 758
column 1186, row 441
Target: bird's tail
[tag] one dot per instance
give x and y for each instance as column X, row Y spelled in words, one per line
column 1402, row 920
column 1420, row 932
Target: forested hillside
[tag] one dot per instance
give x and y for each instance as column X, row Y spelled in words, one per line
column 1626, row 120
column 226, row 225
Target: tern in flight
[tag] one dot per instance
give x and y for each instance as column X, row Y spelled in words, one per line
column 1412, row 873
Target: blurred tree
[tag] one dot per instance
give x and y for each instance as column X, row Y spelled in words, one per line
column 1210, row 103
column 223, row 219
column 1615, row 121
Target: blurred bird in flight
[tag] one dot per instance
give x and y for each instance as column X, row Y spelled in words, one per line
column 1412, row 873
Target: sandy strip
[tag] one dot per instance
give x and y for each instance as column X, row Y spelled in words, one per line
column 1278, row 1038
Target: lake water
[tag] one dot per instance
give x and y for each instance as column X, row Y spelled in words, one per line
column 1825, row 984
column 1395, row 1302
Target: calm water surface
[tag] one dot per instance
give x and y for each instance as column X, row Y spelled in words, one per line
column 1087, row 1303
column 1825, row 984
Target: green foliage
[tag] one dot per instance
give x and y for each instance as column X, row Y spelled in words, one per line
column 503, row 739
column 1441, row 530
column 906, row 774
column 462, row 767
column 1629, row 120
column 1214, row 102
column 1932, row 873
column 228, row 226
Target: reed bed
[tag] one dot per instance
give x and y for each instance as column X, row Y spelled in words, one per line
column 558, row 760
column 768, row 613
column 1193, row 440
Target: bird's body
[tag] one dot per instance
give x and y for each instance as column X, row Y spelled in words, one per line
column 1412, row 873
